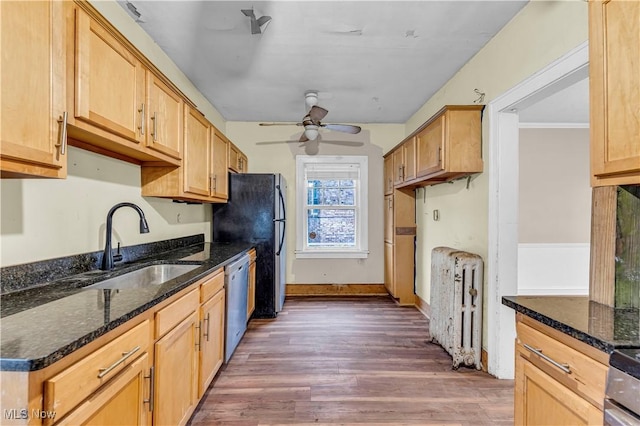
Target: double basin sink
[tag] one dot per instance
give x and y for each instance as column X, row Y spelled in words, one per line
column 153, row 275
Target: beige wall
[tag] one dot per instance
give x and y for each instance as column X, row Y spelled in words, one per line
column 555, row 192
column 541, row 33
column 269, row 152
column 48, row 218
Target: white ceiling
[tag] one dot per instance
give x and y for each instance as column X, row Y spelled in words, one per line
column 371, row 61
column 569, row 106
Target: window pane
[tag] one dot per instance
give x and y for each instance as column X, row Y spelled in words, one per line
column 331, row 193
column 331, row 228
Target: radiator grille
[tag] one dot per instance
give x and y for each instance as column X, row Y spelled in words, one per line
column 456, row 304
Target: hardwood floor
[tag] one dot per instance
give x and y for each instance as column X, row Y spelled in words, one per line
column 349, row 360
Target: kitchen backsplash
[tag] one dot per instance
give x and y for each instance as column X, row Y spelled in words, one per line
column 19, row 277
column 627, row 287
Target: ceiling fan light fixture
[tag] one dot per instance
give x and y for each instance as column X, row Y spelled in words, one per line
column 310, row 99
column 311, row 131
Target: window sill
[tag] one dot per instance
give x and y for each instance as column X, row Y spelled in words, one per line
column 333, row 254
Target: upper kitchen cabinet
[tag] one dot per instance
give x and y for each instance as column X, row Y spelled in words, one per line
column 165, row 118
column 449, row 145
column 220, row 165
column 388, row 175
column 122, row 106
column 446, row 147
column 203, row 175
column 237, row 160
column 33, row 113
column 614, row 70
column 404, row 162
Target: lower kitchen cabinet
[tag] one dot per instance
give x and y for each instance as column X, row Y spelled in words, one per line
column 212, row 339
column 251, row 294
column 176, row 361
column 80, row 388
column 124, row 401
column 151, row 370
column 559, row 380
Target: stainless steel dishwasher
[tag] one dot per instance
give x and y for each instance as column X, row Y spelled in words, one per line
column 236, row 282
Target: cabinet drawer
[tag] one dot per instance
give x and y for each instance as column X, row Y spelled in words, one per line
column 211, row 285
column 169, row 317
column 68, row 388
column 587, row 376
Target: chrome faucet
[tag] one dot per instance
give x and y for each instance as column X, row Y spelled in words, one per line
column 107, row 256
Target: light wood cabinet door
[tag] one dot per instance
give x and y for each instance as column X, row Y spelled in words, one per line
column 398, row 166
column 388, row 268
column 197, row 161
column 109, row 81
column 123, row 401
column 165, row 112
column 176, row 373
column 429, row 148
column 388, row 218
column 614, row 44
column 388, row 175
column 244, row 163
column 234, row 158
column 212, row 338
column 409, row 156
column 251, row 295
column 220, row 166
column 541, row 400
column 32, row 42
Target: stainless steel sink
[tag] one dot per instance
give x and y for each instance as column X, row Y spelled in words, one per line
column 153, row 275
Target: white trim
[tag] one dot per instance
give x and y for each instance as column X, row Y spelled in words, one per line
column 333, row 254
column 503, row 197
column 554, row 125
column 361, row 208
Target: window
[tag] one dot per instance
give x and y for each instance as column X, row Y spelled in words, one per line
column 332, row 203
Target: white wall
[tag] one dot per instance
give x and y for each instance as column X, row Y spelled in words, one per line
column 554, row 207
column 542, row 32
column 269, row 152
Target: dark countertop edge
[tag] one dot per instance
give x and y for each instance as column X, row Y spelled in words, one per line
column 28, row 365
column 560, row 326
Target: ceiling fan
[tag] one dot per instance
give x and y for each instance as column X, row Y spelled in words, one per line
column 312, row 121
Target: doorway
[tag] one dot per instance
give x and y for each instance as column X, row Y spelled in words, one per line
column 504, row 134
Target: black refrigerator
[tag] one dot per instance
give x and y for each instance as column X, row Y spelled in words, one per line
column 256, row 213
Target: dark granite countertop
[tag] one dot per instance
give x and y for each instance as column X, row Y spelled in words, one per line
column 600, row 326
column 42, row 324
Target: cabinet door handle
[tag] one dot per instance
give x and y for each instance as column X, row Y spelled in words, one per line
column 152, row 388
column 155, row 127
column 141, row 127
column 214, row 183
column 564, row 367
column 125, row 356
column 63, row 133
column 198, row 327
column 206, row 333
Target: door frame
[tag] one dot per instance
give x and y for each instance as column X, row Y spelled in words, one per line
column 502, row 260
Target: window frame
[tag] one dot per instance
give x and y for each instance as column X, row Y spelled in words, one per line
column 361, row 249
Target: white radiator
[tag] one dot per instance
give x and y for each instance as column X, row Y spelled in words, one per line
column 456, row 304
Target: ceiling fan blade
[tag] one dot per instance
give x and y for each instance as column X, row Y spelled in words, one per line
column 343, row 143
column 280, row 124
column 346, row 128
column 317, row 113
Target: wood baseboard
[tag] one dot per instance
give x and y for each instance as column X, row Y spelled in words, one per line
column 336, row 290
column 423, row 306
column 484, row 360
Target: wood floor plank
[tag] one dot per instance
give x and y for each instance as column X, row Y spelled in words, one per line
column 349, row 361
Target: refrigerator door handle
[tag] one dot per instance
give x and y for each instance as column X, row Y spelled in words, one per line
column 283, row 220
